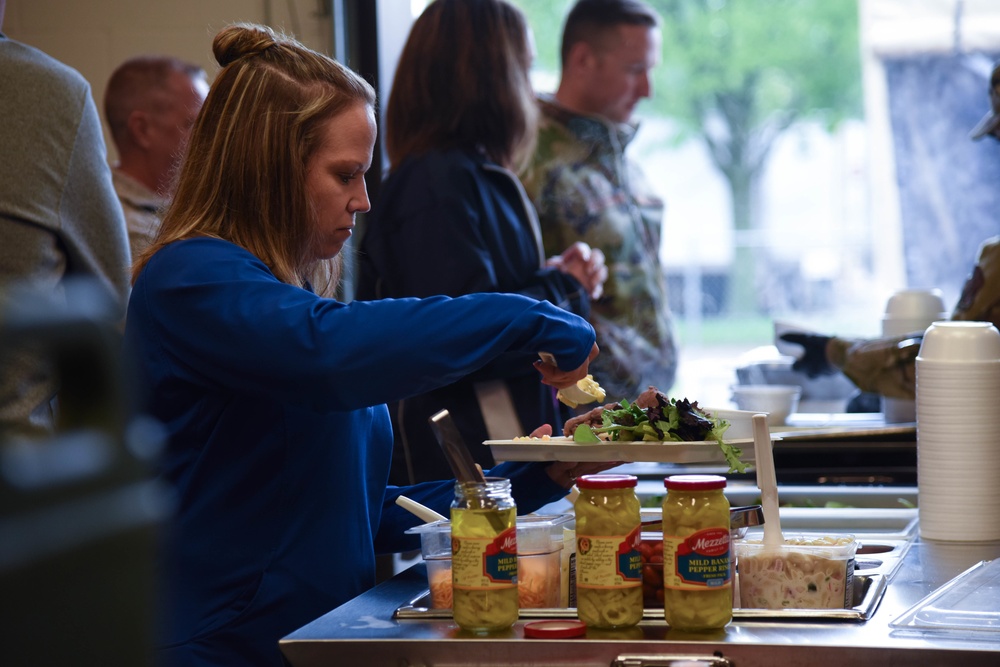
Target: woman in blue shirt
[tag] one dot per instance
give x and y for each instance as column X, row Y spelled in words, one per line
column 273, row 395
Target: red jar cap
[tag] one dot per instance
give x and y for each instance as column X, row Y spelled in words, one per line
column 606, row 481
column 694, row 482
column 554, row 629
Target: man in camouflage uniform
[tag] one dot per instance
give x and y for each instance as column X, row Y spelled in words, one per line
column 586, row 189
column 886, row 365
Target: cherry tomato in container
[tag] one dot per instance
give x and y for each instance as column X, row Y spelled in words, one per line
column 651, row 550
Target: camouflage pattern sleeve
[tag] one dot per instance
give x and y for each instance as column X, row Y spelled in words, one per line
column 883, row 366
column 980, row 300
column 586, row 189
column 887, row 366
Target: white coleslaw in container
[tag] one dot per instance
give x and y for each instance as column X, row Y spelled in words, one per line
column 806, row 572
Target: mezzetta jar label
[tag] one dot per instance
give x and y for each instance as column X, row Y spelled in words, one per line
column 608, row 561
column 480, row 563
column 698, row 561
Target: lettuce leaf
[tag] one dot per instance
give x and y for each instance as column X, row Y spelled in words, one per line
column 670, row 421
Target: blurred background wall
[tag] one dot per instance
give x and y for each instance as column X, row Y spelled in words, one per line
column 95, row 36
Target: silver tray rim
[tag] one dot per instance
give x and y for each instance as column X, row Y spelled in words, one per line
column 872, row 588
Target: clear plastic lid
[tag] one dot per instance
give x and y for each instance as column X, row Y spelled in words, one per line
column 536, row 533
column 968, row 605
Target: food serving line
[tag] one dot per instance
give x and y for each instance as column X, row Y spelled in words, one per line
column 394, row 623
column 366, row 630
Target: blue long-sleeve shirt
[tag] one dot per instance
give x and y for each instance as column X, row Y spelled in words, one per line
column 279, row 439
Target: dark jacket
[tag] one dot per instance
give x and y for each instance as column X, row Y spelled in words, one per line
column 454, row 223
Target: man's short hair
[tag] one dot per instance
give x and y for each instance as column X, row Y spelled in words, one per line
column 134, row 81
column 589, row 20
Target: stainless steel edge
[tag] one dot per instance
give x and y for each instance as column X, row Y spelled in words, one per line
column 870, row 588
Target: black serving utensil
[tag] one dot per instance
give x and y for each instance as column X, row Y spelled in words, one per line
column 454, row 448
column 746, row 516
column 740, row 518
column 460, row 460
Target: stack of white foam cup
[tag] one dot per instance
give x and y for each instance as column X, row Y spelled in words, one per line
column 909, row 311
column 958, row 432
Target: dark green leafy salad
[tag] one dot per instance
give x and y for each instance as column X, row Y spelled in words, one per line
column 669, row 420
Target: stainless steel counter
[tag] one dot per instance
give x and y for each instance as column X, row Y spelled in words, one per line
column 364, row 632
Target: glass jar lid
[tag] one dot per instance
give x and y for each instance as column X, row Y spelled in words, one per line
column 694, row 482
column 606, row 481
column 555, row 629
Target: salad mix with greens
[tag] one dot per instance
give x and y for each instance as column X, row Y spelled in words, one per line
column 677, row 420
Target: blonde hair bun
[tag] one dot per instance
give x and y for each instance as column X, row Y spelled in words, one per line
column 243, row 39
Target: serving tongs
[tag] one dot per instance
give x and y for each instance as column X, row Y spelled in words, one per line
column 740, row 518
column 459, row 458
column 745, row 516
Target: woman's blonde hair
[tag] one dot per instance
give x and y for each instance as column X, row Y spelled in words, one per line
column 243, row 178
column 462, row 82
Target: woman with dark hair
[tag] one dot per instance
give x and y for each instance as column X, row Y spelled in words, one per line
column 273, row 397
column 453, row 218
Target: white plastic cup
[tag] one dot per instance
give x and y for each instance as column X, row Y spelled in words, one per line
column 961, row 342
column 957, row 422
column 909, row 311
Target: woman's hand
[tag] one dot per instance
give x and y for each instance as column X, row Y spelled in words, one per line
column 552, row 375
column 564, row 473
column 584, row 263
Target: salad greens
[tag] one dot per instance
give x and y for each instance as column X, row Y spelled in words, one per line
column 675, row 420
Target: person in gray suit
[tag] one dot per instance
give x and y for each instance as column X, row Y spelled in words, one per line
column 59, row 216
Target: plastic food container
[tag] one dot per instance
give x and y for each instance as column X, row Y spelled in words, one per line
column 807, row 572
column 539, row 560
column 539, row 546
column 435, row 548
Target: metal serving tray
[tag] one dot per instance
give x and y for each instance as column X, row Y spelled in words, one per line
column 868, row 592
